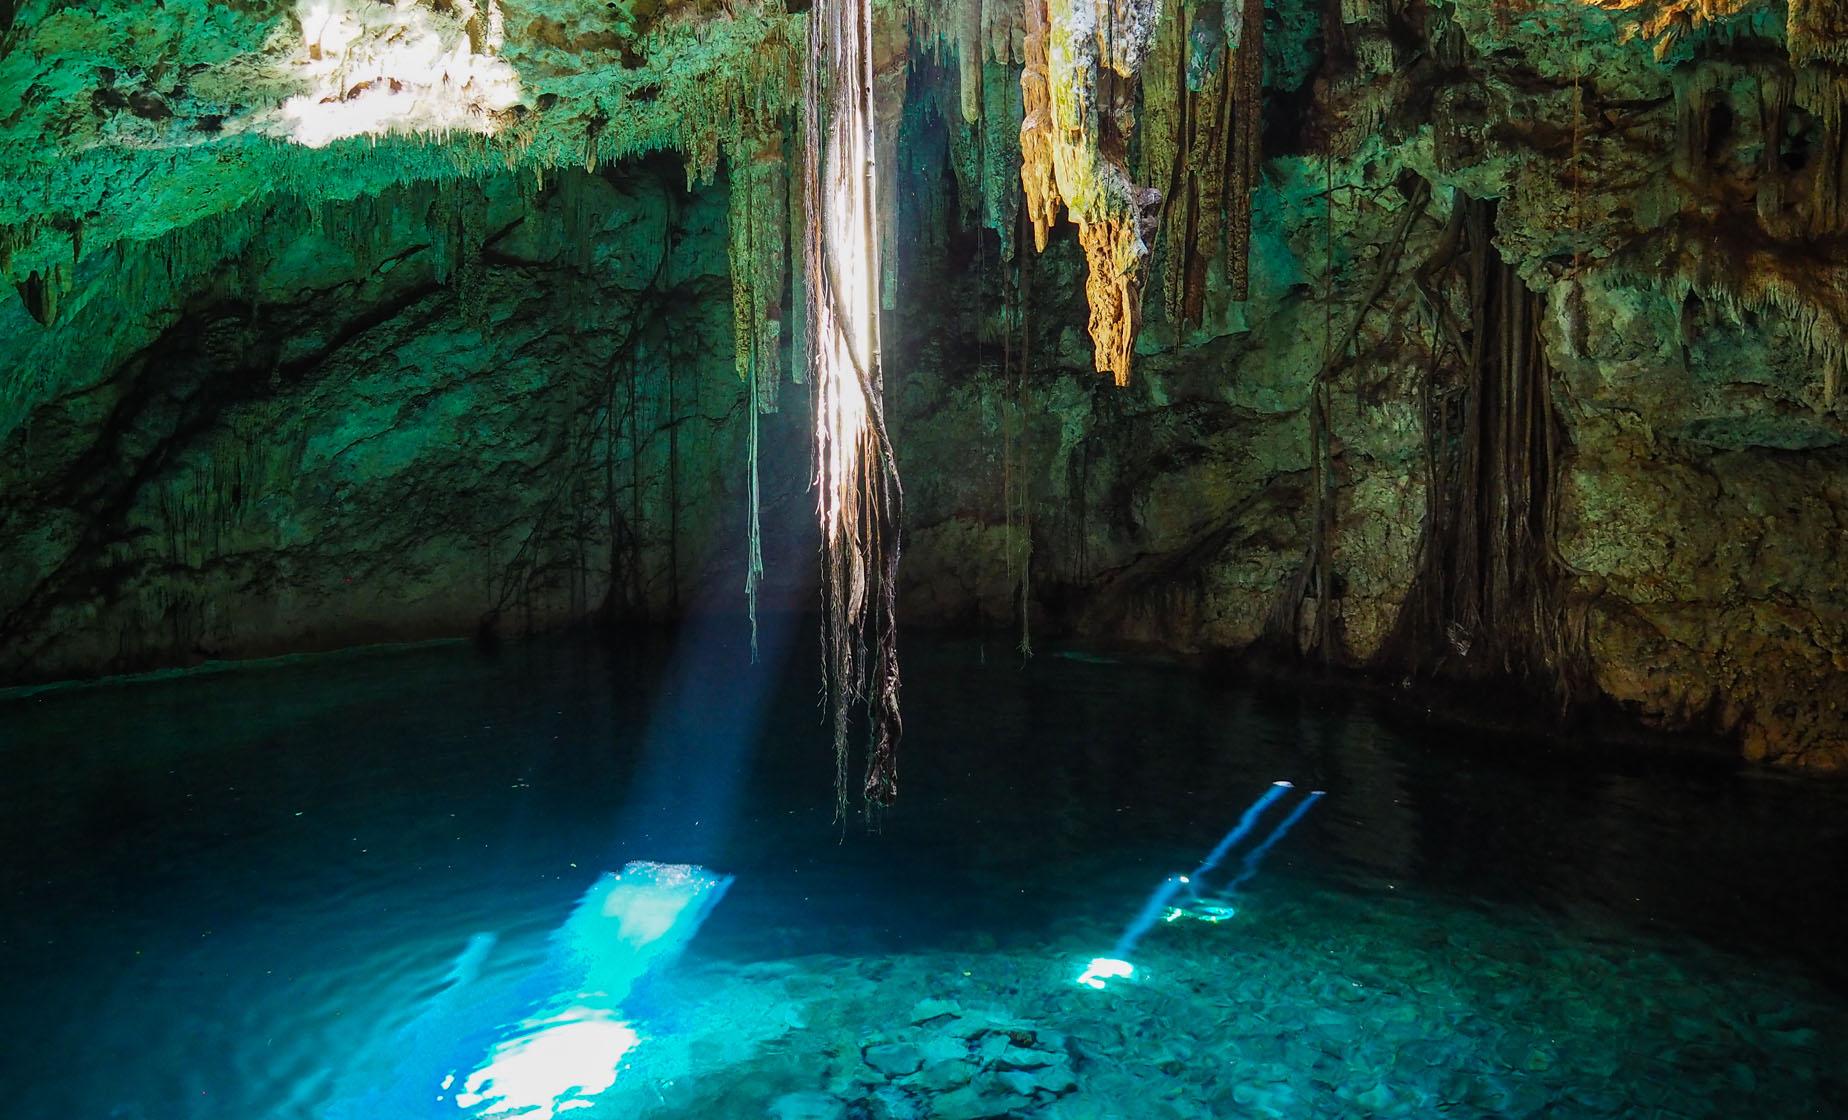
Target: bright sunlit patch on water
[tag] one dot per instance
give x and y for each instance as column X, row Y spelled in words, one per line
column 626, row 925
column 572, row 1035
column 1102, row 970
column 552, row 1065
column 632, row 922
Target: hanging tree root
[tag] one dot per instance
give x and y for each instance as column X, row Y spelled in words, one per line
column 1492, row 597
column 521, row 569
column 1285, row 622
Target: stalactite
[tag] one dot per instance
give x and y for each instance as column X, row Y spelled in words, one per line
column 969, row 52
column 1774, row 91
column 1000, row 158
column 1164, row 94
column 1039, row 190
column 41, row 291
column 935, row 138
column 856, row 473
column 1817, row 31
column 1002, row 29
column 965, row 143
column 1694, row 87
column 1247, row 143
column 891, row 70
column 1083, row 65
column 15, row 237
column 1823, row 92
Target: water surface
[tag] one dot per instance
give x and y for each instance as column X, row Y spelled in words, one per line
column 225, row 890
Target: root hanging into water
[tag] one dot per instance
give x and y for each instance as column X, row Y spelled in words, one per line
column 1492, row 597
column 758, row 229
column 859, row 499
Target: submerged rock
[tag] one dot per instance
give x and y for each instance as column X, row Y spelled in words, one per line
column 808, row 1106
column 894, row 1059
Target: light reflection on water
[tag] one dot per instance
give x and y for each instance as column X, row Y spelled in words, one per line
column 559, row 1063
column 228, row 895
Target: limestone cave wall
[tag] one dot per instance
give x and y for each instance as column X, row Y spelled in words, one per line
column 492, row 404
column 1520, row 365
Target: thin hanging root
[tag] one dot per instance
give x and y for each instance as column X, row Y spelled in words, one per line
column 1286, row 621
column 1016, row 508
column 754, row 548
column 860, row 503
column 1026, row 509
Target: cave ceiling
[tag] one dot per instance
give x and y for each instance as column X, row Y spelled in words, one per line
column 1697, row 140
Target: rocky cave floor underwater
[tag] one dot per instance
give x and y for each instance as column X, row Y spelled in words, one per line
column 1307, row 1004
column 230, row 891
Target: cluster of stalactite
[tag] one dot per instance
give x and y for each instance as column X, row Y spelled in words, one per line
column 1178, row 85
column 1664, row 23
column 1083, row 65
column 1058, row 136
column 980, row 109
column 1817, row 30
column 1800, row 179
column 1202, row 122
column 1798, row 194
column 133, row 280
column 1492, row 596
column 746, row 127
column 1814, row 30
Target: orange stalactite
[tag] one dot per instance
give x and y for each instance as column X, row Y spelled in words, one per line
column 1036, row 178
column 1814, row 30
column 1083, row 67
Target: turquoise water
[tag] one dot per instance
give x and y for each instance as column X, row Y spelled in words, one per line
column 227, row 894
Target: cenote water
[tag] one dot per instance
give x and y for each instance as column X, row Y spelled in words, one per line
column 231, row 894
